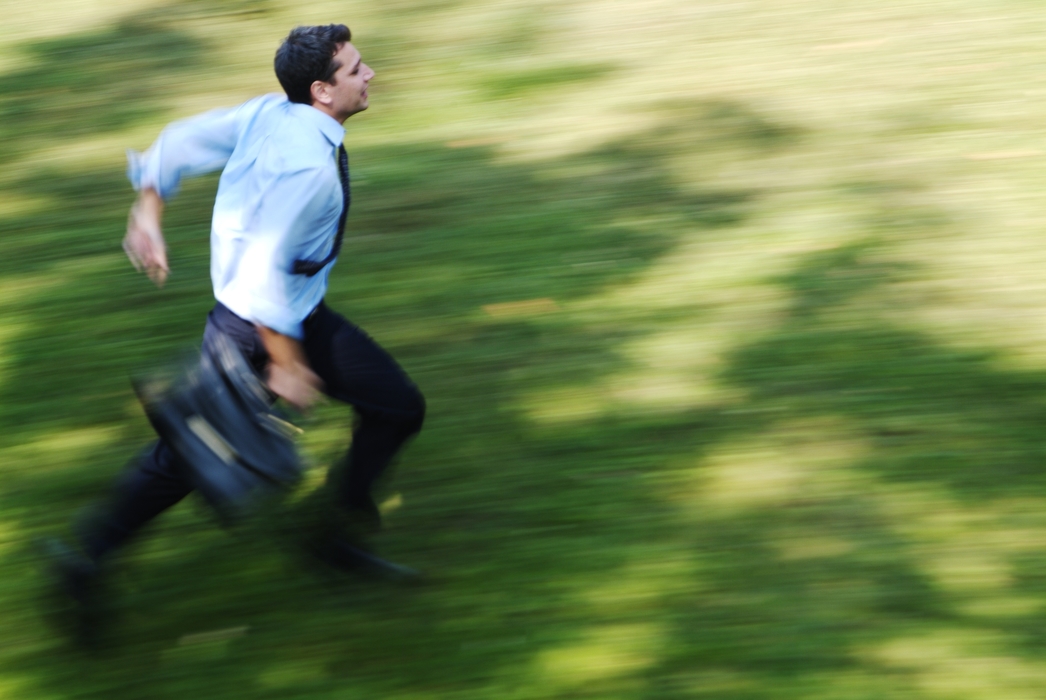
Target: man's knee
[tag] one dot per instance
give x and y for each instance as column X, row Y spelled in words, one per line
column 403, row 412
column 415, row 413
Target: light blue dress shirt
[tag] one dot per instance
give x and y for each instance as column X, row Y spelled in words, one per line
column 279, row 199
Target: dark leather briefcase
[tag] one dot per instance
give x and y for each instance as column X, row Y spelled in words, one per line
column 217, row 416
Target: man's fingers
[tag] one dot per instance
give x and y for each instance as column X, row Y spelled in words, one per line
column 305, row 400
column 300, row 387
column 132, row 255
column 157, row 275
column 161, row 259
column 158, row 271
column 146, row 252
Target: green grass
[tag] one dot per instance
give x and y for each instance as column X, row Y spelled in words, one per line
column 730, row 318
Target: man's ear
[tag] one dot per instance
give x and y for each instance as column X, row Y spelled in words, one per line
column 320, row 94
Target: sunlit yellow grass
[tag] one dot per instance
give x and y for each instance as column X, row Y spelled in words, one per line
column 606, row 652
column 969, row 664
column 60, row 449
column 806, row 459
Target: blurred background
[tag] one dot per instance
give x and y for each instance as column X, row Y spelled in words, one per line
column 730, row 316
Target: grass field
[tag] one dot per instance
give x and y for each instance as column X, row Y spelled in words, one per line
column 730, row 317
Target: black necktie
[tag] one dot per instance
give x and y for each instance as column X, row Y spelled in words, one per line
column 311, row 267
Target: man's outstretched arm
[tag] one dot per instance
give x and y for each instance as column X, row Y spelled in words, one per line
column 185, row 148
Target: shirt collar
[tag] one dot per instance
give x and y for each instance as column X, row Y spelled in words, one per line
column 327, row 125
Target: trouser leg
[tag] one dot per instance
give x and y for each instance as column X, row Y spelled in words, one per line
column 152, row 485
column 375, row 441
column 356, row 370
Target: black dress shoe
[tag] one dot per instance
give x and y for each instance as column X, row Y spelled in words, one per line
column 344, row 555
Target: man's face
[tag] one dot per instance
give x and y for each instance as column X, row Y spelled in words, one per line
column 348, row 89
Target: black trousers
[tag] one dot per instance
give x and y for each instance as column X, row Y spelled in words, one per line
column 354, row 369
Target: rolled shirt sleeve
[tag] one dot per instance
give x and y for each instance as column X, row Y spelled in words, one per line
column 188, row 148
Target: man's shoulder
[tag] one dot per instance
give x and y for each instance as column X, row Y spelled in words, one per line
column 297, row 144
column 267, row 100
column 262, row 107
column 283, row 153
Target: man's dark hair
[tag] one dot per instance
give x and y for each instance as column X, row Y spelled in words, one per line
column 307, row 55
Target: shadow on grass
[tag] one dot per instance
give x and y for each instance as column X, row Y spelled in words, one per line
column 95, row 82
column 951, row 417
column 106, row 79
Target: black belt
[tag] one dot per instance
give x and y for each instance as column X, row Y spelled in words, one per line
column 222, row 308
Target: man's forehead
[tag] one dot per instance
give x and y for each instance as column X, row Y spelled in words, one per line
column 347, row 54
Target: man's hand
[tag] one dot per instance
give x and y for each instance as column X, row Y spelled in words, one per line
column 290, row 376
column 144, row 242
column 297, row 384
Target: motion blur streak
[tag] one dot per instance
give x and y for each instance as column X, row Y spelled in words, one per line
column 730, row 316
